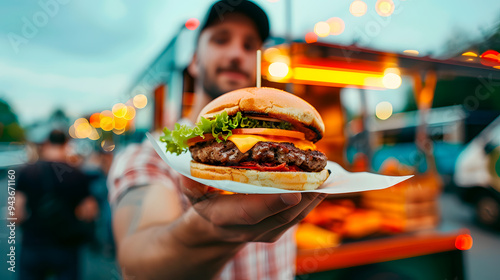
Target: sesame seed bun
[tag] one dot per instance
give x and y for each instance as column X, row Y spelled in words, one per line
column 269, row 102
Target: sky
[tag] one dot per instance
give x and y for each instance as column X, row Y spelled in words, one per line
column 83, row 55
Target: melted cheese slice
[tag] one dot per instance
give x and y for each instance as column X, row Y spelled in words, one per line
column 246, row 142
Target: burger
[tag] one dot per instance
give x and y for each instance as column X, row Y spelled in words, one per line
column 260, row 136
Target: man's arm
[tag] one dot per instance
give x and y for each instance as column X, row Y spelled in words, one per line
column 143, row 223
column 156, row 240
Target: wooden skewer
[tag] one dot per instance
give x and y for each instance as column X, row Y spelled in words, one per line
column 258, row 68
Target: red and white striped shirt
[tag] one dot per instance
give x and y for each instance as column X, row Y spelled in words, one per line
column 139, row 165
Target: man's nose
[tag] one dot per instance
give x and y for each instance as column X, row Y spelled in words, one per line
column 236, row 51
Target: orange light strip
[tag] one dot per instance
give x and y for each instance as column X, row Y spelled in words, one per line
column 335, row 76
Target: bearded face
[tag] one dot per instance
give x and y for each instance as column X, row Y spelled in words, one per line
column 226, row 55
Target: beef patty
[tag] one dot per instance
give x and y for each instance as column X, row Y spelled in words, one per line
column 227, row 154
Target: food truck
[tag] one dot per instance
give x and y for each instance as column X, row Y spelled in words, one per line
column 386, row 232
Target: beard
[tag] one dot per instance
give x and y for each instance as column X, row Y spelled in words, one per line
column 211, row 88
column 215, row 90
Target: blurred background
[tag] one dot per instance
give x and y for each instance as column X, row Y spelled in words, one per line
column 404, row 87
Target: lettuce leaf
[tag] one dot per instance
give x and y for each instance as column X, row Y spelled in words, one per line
column 220, row 126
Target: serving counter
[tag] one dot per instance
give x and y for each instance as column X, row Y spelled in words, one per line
column 423, row 255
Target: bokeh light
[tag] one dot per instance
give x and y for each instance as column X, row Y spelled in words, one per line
column 95, row 134
column 358, row 8
column 392, row 81
column 463, row 242
column 130, row 113
column 490, row 58
column 192, row 23
column 311, row 37
column 118, row 131
column 80, row 121
column 392, row 78
column 95, row 120
column 384, row 8
column 107, row 145
column 411, row 52
column 471, row 54
column 107, row 123
column 106, row 113
column 140, row 101
column 278, row 69
column 271, row 53
column 322, row 29
column 120, row 123
column 83, row 129
column 393, row 70
column 337, row 26
column 71, row 131
column 119, row 110
column 282, row 58
column 383, row 110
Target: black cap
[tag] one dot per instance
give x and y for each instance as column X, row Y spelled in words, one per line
column 248, row 8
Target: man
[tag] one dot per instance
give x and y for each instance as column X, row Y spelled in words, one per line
column 50, row 197
column 169, row 227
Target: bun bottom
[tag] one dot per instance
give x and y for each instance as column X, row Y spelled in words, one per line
column 297, row 181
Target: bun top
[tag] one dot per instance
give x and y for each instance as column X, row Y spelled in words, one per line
column 269, row 102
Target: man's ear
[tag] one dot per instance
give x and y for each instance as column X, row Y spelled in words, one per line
column 193, row 66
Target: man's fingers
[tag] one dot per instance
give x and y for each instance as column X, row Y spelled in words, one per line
column 242, row 209
column 254, row 216
column 271, row 228
column 295, row 212
column 294, row 215
column 196, row 191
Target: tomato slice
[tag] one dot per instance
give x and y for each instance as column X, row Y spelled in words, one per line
column 268, row 167
column 194, row 140
column 271, row 132
column 275, row 168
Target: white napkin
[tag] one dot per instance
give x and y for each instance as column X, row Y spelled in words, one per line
column 340, row 181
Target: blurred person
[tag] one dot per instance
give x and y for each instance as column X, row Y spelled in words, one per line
column 169, row 227
column 55, row 210
column 73, row 156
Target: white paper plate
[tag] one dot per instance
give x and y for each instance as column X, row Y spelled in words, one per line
column 340, row 180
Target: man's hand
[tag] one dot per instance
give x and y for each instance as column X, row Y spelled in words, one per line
column 244, row 218
column 164, row 242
